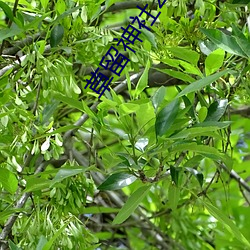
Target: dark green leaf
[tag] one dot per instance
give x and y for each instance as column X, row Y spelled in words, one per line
column 117, row 181
column 216, row 110
column 166, row 117
column 56, row 35
column 7, row 10
column 245, row 2
column 198, row 175
column 174, row 172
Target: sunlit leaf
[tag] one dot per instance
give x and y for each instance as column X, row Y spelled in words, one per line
column 143, row 81
column 158, row 97
column 173, row 196
column 214, row 61
column 185, row 54
column 8, row 180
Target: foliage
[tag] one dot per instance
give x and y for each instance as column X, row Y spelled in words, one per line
column 159, row 162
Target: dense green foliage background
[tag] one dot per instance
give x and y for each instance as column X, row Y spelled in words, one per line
column 159, row 162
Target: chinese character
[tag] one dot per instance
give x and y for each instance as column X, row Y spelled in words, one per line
column 161, row 5
column 149, row 14
column 140, row 23
column 95, row 80
column 131, row 37
column 119, row 63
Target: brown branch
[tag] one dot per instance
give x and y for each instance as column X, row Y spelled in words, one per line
column 21, row 44
column 235, row 176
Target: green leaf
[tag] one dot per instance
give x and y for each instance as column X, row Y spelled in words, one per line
column 219, row 125
column 150, row 37
column 56, row 35
column 216, row 110
column 198, row 175
column 35, row 184
column 41, row 243
column 166, row 117
column 9, row 32
column 186, row 54
column 177, row 74
column 245, row 2
column 9, row 211
column 49, row 244
column 7, row 10
column 223, row 41
column 13, row 246
column 70, row 101
column 132, row 203
column 68, row 12
column 197, row 85
column 44, row 3
column 98, row 210
column 214, row 61
column 8, row 180
column 173, row 196
column 204, row 150
column 128, row 108
column 117, row 181
column 202, row 114
column 49, row 110
column 174, row 172
column 66, row 172
column 158, row 97
column 244, row 45
column 227, row 223
column 193, row 132
column 143, row 81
